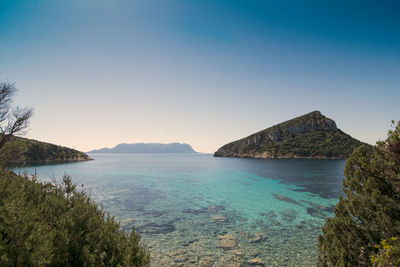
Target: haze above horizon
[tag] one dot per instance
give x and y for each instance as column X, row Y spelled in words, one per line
column 99, row 73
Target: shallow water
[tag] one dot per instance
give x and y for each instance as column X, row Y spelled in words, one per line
column 197, row 210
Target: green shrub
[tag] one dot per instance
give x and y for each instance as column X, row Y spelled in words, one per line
column 46, row 224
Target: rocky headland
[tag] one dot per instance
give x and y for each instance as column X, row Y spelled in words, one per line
column 309, row 136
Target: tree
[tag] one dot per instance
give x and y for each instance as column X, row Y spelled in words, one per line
column 12, row 121
column 370, row 211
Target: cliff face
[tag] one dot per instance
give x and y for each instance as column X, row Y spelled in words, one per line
column 36, row 152
column 309, row 136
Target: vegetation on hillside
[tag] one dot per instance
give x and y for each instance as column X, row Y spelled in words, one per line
column 34, row 152
column 308, row 136
column 366, row 226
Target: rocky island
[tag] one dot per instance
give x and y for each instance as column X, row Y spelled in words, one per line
column 30, row 151
column 309, row 136
column 147, row 148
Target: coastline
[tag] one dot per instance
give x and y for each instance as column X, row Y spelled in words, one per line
column 46, row 162
column 246, row 156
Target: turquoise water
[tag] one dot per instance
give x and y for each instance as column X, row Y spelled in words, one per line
column 197, row 210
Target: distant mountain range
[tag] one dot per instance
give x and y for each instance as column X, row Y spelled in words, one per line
column 309, row 136
column 36, row 152
column 147, row 148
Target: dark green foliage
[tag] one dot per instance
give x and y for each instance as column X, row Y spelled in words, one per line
column 325, row 144
column 370, row 210
column 309, row 136
column 45, row 224
column 28, row 151
column 11, row 151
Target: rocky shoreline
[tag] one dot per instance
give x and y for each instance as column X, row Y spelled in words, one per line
column 261, row 156
column 47, row 161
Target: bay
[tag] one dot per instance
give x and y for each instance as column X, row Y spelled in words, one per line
column 197, row 210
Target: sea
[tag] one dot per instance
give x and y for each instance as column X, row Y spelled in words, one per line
column 198, row 210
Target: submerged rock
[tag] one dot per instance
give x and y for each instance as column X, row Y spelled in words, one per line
column 320, row 207
column 195, row 212
column 215, row 209
column 181, row 258
column 258, row 237
column 230, row 261
column 254, row 252
column 316, row 213
column 154, row 228
column 227, row 241
column 212, row 209
column 154, row 213
column 187, row 243
column 179, row 255
column 256, row 262
column 288, row 215
column 219, row 218
column 206, row 262
column 285, row 198
column 237, row 252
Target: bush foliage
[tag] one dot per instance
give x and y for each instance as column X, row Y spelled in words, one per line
column 46, row 224
column 369, row 213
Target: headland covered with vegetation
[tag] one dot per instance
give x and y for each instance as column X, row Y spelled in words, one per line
column 24, row 151
column 309, row 136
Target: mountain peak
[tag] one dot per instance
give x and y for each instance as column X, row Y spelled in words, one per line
column 308, row 136
column 312, row 121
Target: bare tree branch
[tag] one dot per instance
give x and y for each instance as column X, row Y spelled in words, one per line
column 20, row 120
column 7, row 91
column 12, row 122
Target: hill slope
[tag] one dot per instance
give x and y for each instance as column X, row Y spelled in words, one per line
column 309, row 136
column 36, row 152
column 147, row 148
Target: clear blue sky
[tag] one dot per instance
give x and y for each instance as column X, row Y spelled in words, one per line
column 100, row 72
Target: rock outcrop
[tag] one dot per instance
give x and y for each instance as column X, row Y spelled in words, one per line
column 309, row 136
